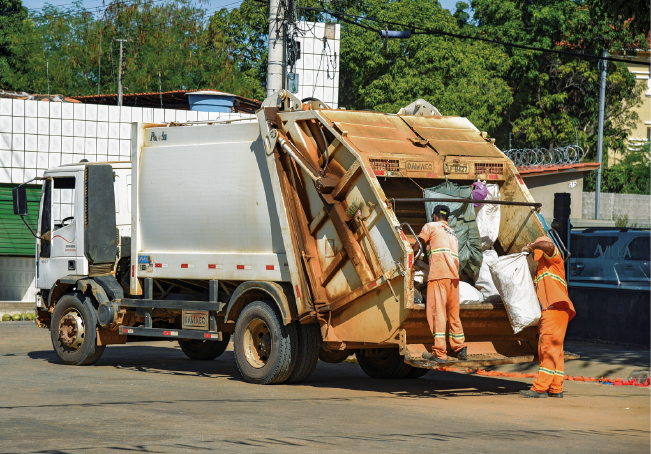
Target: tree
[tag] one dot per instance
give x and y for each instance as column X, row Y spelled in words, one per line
column 630, row 176
column 459, row 77
column 12, row 14
column 169, row 36
column 557, row 97
column 634, row 13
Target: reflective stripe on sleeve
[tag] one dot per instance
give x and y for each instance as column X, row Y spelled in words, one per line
column 553, row 276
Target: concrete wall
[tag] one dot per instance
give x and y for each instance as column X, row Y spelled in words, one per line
column 318, row 67
column 637, row 207
column 37, row 135
column 17, row 279
column 543, row 188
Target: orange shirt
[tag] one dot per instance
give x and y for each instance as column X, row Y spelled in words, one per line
column 550, row 282
column 443, row 250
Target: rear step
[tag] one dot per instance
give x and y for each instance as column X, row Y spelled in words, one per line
column 169, row 333
column 479, row 360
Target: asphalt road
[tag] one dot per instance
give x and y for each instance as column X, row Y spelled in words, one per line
column 148, row 397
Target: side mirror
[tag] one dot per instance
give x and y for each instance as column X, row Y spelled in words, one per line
column 20, row 200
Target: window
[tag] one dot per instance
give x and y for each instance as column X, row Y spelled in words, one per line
column 640, row 249
column 63, row 200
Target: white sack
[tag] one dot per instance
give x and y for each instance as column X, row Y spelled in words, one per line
column 469, row 294
column 488, row 218
column 513, row 280
column 421, row 272
column 484, row 282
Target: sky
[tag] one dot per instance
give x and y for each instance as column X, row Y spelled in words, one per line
column 212, row 6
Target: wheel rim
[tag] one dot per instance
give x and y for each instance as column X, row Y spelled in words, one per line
column 257, row 343
column 72, row 329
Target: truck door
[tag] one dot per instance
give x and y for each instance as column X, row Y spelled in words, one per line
column 58, row 256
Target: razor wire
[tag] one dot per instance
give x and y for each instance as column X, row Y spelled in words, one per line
column 542, row 157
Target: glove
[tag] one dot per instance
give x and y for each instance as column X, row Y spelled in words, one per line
column 527, row 250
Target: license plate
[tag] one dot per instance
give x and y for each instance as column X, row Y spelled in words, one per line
column 196, row 320
column 456, row 168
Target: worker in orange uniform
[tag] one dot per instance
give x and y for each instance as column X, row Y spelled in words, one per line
column 557, row 311
column 442, row 285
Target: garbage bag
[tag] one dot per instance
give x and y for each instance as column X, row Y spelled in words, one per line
column 469, row 294
column 484, row 282
column 421, row 272
column 479, row 192
column 488, row 216
column 462, row 221
column 512, row 278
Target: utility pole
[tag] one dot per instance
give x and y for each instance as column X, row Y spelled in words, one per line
column 600, row 136
column 275, row 65
column 120, row 71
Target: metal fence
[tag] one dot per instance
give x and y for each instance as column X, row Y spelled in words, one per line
column 536, row 157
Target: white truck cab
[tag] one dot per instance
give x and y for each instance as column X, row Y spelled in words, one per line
column 62, row 214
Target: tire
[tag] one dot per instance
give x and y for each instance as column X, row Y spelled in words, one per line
column 416, row 372
column 73, row 311
column 334, row 356
column 387, row 363
column 307, row 355
column 268, row 360
column 204, row 350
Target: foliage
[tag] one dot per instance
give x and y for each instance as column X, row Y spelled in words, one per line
column 169, row 36
column 556, row 97
column 630, row 176
column 459, row 77
column 634, row 13
column 12, row 14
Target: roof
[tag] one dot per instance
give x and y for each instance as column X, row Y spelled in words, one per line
column 562, row 168
column 175, row 99
column 34, row 97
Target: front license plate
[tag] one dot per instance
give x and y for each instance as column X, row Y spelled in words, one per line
column 196, row 320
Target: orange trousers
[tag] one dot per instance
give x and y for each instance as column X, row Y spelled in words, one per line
column 551, row 332
column 443, row 306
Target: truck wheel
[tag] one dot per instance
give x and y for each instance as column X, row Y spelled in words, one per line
column 263, row 345
column 307, row 355
column 416, row 372
column 73, row 331
column 204, row 349
column 385, row 363
column 334, row 356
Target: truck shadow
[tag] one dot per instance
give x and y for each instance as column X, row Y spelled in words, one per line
column 346, row 376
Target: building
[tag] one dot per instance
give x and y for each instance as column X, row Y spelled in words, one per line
column 641, row 134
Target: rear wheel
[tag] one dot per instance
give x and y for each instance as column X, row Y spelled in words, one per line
column 205, row 349
column 416, row 372
column 263, row 345
column 73, row 330
column 334, row 356
column 307, row 355
column 383, row 363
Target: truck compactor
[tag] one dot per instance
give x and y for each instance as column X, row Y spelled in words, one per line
column 289, row 235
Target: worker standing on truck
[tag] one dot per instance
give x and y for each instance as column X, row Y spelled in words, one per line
column 442, row 285
column 557, row 311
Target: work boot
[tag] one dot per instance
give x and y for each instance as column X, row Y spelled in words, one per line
column 462, row 355
column 530, row 393
column 430, row 357
column 558, row 395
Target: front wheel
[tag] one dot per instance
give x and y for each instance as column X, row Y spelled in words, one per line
column 204, row 349
column 73, row 330
column 263, row 345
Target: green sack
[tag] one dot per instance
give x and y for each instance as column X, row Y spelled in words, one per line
column 463, row 221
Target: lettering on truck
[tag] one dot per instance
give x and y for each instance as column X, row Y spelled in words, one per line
column 420, row 166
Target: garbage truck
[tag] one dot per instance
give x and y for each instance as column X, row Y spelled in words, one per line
column 289, row 234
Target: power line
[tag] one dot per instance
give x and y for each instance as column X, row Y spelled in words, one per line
column 427, row 31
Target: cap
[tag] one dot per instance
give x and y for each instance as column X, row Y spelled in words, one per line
column 442, row 209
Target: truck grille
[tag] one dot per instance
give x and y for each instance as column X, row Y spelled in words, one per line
column 489, row 168
column 386, row 165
